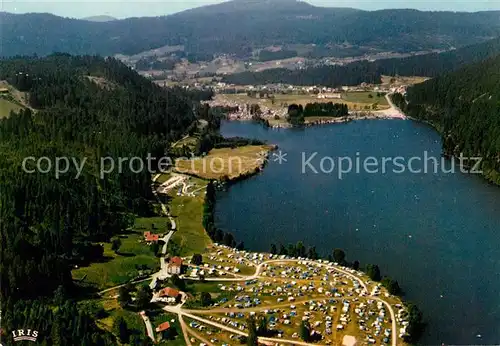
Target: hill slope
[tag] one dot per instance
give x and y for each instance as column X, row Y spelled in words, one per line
column 240, row 25
column 428, row 65
column 465, row 107
column 91, row 112
column 102, row 18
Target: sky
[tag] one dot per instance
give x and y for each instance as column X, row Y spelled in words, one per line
column 140, row 8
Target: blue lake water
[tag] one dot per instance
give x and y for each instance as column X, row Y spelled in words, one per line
column 438, row 234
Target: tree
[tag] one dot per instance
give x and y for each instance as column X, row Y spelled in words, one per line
column 59, row 295
column 339, row 256
column 416, row 324
column 178, row 282
column 300, row 249
column 205, row 299
column 305, row 331
column 355, row 265
column 240, row 246
column 273, row 250
column 124, row 297
column 252, row 339
column 373, row 271
column 197, row 259
column 391, row 285
column 262, row 328
column 312, row 254
column 115, row 244
column 120, row 329
column 143, row 297
column 155, row 247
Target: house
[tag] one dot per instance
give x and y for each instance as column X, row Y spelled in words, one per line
column 163, row 327
column 4, row 91
column 149, row 237
column 175, row 265
column 168, row 292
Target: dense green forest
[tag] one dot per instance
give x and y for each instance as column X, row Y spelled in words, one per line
column 333, row 76
column 49, row 222
column 429, row 65
column 298, row 113
column 267, row 55
column 254, row 24
column 465, row 107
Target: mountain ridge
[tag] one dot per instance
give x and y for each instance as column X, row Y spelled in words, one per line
column 239, row 27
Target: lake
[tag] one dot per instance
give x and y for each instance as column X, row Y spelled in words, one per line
column 436, row 233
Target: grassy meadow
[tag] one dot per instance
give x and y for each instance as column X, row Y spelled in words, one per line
column 121, row 267
column 225, row 162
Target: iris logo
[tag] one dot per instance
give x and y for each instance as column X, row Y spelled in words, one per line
column 25, row 334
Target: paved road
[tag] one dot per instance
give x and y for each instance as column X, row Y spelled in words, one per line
column 149, row 327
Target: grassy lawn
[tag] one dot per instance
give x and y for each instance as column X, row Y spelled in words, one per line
column 198, row 287
column 163, row 178
column 364, row 97
column 158, row 317
column 119, row 268
column 156, row 224
column 112, row 310
column 225, row 162
column 7, row 106
column 190, row 235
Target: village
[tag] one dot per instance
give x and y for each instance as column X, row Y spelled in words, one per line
column 270, row 102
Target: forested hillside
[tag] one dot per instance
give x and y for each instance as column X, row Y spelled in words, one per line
column 465, row 107
column 238, row 26
column 85, row 107
column 332, row 76
column 428, row 65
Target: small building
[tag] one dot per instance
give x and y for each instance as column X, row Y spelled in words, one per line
column 169, row 293
column 4, row 91
column 163, row 327
column 175, row 265
column 150, row 237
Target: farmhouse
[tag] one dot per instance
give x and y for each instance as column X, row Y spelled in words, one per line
column 163, row 327
column 174, row 266
column 150, row 238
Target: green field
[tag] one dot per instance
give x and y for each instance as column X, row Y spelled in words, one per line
column 119, row 268
column 156, row 224
column 230, row 162
column 364, row 97
column 190, row 235
column 7, row 106
column 161, row 316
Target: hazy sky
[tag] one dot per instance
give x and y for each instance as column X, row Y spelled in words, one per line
column 138, row 8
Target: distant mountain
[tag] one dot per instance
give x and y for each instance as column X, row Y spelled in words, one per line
column 102, row 18
column 238, row 27
column 428, row 65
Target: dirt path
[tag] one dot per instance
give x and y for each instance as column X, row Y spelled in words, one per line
column 198, row 336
